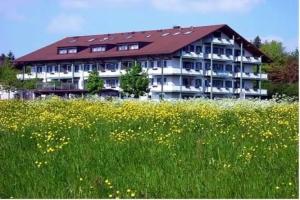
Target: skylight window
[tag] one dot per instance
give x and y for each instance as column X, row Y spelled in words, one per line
column 188, row 32
column 103, row 39
column 62, row 51
column 73, row 50
column 133, row 46
column 148, row 36
column 123, row 47
column 130, row 36
column 72, row 41
column 177, row 33
column 165, row 34
column 91, row 40
column 98, row 49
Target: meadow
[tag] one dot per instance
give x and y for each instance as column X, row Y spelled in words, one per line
column 132, row 149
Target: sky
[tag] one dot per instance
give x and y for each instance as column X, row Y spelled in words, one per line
column 27, row 25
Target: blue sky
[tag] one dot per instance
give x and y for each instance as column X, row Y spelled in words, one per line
column 26, row 25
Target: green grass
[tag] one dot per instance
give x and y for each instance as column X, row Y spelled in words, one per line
column 192, row 149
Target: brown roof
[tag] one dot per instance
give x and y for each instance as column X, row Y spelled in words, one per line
column 156, row 44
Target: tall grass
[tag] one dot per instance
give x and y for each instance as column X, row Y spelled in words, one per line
column 185, row 149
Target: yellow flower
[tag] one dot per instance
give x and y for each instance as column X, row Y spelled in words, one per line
column 81, row 179
column 132, row 194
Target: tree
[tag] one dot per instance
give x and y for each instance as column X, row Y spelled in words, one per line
column 257, row 42
column 275, row 51
column 134, row 82
column 10, row 56
column 8, row 76
column 94, row 83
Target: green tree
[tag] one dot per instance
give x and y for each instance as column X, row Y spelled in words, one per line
column 134, row 82
column 94, row 83
column 8, row 76
column 257, row 42
column 275, row 51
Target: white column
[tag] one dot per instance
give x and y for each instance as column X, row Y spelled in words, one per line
column 81, row 78
column 211, row 70
column 180, row 81
column 242, row 95
column 44, row 70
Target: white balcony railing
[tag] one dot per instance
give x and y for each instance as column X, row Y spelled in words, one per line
column 175, row 88
column 250, row 59
column 221, row 57
column 251, row 75
column 251, row 91
column 219, row 73
column 171, row 71
column 219, row 90
column 222, row 41
column 192, row 55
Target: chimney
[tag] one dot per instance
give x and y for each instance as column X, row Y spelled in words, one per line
column 176, row 27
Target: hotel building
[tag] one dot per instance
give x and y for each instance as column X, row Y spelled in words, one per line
column 206, row 61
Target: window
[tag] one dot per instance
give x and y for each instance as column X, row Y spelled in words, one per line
column 62, row 51
column 188, row 65
column 228, row 84
column 165, row 34
column 148, row 36
column 237, row 52
column 151, row 64
column 159, row 63
column 56, row 68
column 123, row 48
column 207, row 66
column 228, row 68
column 86, row 67
column 216, row 50
column 94, row 67
column 217, row 83
column 158, row 80
column 73, row 50
column 133, row 46
column 165, row 63
column 228, row 52
column 218, row 67
column 91, row 40
column 197, row 83
column 49, row 69
column 39, row 69
column 111, row 66
column 76, row 68
column 112, row 83
column 217, row 34
column 198, row 49
column 188, row 32
column 144, row 64
column 221, row 51
column 186, row 49
column 192, row 48
column 176, row 33
column 207, row 50
column 237, row 68
column 186, row 82
column 198, row 66
column 98, row 49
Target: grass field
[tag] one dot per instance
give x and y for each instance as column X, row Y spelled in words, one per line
column 130, row 149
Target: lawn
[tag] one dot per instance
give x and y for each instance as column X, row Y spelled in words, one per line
column 132, row 149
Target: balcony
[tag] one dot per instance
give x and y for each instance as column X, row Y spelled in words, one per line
column 176, row 88
column 222, row 41
column 30, row 76
column 250, row 59
column 225, row 74
column 192, row 55
column 56, row 86
column 251, row 75
column 174, row 71
column 251, row 91
column 219, row 90
column 220, row 57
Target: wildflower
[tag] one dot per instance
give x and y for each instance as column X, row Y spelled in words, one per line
column 81, row 179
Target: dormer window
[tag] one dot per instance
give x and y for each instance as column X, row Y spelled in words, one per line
column 133, row 46
column 123, row 47
column 72, row 50
column 99, row 49
column 62, row 51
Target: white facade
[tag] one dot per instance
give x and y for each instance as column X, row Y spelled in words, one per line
column 186, row 73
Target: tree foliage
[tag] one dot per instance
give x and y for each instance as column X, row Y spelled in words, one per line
column 8, row 75
column 257, row 42
column 283, row 71
column 135, row 82
column 94, row 83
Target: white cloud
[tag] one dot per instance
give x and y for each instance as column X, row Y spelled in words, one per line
column 79, row 4
column 206, row 6
column 66, row 24
column 11, row 9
